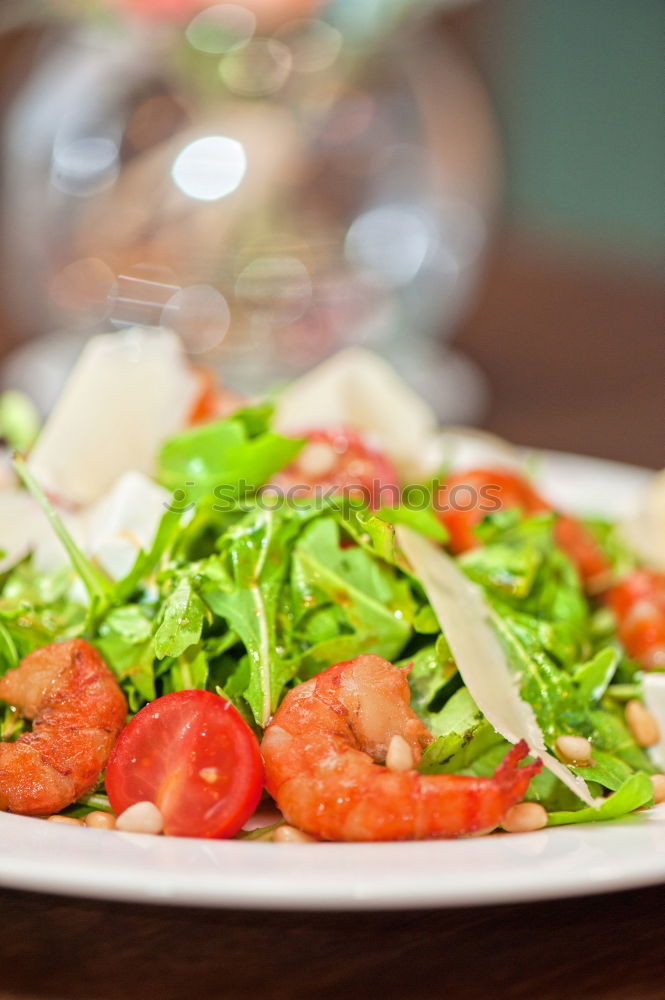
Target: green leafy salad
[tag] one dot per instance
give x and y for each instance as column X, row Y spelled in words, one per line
column 246, row 594
column 248, row 601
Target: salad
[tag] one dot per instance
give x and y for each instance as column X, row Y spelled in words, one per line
column 321, row 601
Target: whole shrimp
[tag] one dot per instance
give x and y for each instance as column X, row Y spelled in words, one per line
column 77, row 710
column 324, row 752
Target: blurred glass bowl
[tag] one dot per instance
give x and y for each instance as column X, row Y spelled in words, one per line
column 270, row 197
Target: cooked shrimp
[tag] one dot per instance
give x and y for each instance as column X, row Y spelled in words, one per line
column 324, row 752
column 77, row 710
column 638, row 605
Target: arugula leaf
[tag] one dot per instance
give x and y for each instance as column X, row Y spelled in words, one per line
column 593, row 677
column 509, row 570
column 424, row 521
column 181, row 621
column 635, row 792
column 28, row 587
column 9, row 657
column 254, row 562
column 612, row 736
column 540, row 615
column 187, row 673
column 222, row 455
column 131, row 623
column 231, row 682
column 19, row 420
column 550, row 692
column 124, row 639
column 378, row 606
column 463, row 734
column 35, row 610
column 372, row 533
column 93, row 802
column 147, row 562
column 11, row 724
column 299, row 600
column 432, row 678
column 606, row 769
column 426, row 622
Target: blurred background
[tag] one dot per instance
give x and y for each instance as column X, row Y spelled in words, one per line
column 473, row 189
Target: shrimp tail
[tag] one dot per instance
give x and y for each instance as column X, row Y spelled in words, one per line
column 466, row 805
column 512, row 781
column 513, row 778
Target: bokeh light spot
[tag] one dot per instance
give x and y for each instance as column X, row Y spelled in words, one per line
column 221, row 28
column 314, row 44
column 210, row 168
column 85, row 166
column 261, row 67
column 81, row 289
column 200, row 315
column 279, row 286
column 391, row 240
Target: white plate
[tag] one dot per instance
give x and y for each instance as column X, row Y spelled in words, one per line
column 501, row 868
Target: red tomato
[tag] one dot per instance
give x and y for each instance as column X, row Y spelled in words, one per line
column 339, row 461
column 205, row 404
column 467, row 497
column 269, row 13
column 584, row 552
column 169, row 10
column 213, row 402
column 638, row 604
column 193, row 755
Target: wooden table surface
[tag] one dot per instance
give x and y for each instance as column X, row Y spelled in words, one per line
column 575, row 356
column 607, row 947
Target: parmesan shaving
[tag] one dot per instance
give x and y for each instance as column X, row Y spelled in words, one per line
column 356, row 388
column 645, row 529
column 22, row 526
column 127, row 393
column 653, row 687
column 463, row 616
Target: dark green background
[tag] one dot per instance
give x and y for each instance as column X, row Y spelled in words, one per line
column 579, row 87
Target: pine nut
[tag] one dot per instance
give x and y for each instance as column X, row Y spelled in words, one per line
column 399, row 756
column 142, row 817
column 574, row 750
column 100, row 820
column 642, row 724
column 524, row 817
column 65, row 820
column 654, row 658
column 658, row 783
column 291, row 835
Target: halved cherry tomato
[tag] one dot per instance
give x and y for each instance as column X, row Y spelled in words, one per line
column 205, row 406
column 467, row 497
column 193, row 755
column 213, row 401
column 339, row 461
column 638, row 604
